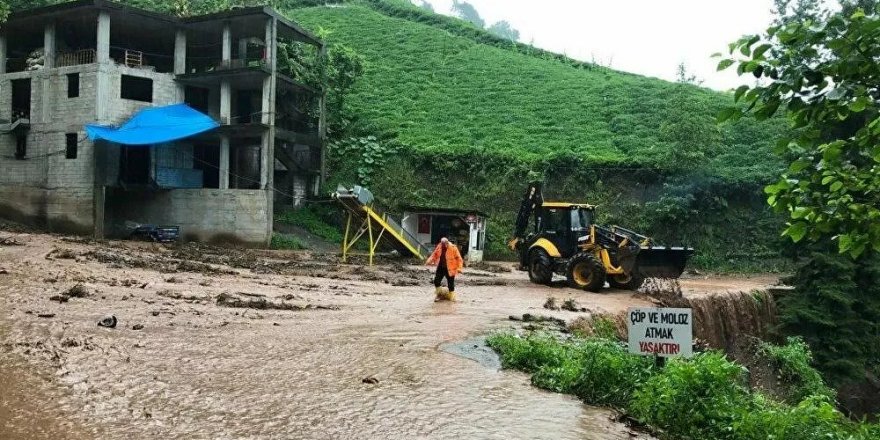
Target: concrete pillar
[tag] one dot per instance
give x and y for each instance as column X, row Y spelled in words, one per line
column 224, row 162
column 268, row 157
column 225, row 86
column 103, row 44
column 49, row 46
column 225, row 102
column 180, row 52
column 322, row 119
column 2, row 54
column 227, row 44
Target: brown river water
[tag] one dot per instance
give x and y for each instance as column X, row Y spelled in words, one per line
column 200, row 370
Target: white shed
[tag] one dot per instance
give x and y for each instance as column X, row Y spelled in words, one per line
column 465, row 228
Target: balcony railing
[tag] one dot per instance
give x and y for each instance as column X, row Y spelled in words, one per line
column 76, row 58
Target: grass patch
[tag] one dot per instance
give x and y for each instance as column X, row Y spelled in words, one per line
column 313, row 220
column 286, row 242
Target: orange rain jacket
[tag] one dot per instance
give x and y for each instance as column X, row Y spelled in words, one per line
column 454, row 262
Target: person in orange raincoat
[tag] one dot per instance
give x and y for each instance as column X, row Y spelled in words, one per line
column 449, row 264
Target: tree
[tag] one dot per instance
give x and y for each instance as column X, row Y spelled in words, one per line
column 468, row 12
column 823, row 75
column 792, row 11
column 683, row 76
column 503, row 29
column 690, row 132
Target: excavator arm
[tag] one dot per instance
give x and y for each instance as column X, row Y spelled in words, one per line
column 532, row 199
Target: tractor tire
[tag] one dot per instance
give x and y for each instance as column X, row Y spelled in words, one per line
column 631, row 281
column 586, row 272
column 540, row 267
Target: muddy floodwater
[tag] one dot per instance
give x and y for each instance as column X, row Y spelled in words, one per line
column 228, row 344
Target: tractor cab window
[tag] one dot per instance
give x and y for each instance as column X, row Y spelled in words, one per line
column 554, row 221
column 581, row 219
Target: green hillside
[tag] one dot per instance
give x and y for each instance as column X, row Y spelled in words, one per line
column 435, row 90
column 466, row 119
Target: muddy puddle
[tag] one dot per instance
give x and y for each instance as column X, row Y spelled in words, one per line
column 230, row 344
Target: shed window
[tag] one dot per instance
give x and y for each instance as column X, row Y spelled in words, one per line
column 71, row 142
column 72, row 85
column 138, row 89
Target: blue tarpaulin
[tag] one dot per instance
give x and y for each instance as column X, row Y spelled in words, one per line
column 155, row 125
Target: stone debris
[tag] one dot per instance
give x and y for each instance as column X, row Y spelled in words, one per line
column 108, row 321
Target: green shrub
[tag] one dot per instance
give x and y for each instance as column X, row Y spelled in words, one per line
column 531, row 353
column 609, row 374
column 286, row 241
column 603, row 327
column 697, row 398
column 794, row 361
column 813, row 418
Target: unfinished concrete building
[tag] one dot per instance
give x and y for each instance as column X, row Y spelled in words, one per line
column 94, row 61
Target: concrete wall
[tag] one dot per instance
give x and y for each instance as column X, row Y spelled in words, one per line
column 46, row 188
column 118, row 110
column 231, row 215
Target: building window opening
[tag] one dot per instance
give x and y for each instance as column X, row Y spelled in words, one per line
column 21, row 146
column 71, row 144
column 206, row 157
column 21, row 99
column 72, row 85
column 137, row 89
column 135, row 166
column 197, row 98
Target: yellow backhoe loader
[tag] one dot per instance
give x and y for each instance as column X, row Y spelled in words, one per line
column 566, row 241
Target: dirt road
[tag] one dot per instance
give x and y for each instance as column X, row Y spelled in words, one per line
column 325, row 350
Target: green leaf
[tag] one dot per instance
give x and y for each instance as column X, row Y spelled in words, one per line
column 835, row 94
column 739, row 92
column 726, row 114
column 798, row 166
column 796, row 231
column 760, row 50
column 725, row 63
column 837, row 185
column 859, row 104
column 828, row 179
column 844, row 242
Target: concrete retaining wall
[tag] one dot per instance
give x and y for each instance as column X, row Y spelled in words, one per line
column 213, row 215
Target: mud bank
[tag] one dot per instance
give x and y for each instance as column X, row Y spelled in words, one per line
column 724, row 320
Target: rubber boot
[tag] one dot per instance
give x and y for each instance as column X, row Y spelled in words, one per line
column 438, row 294
column 451, row 296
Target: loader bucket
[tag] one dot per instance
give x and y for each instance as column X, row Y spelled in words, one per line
column 662, row 262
